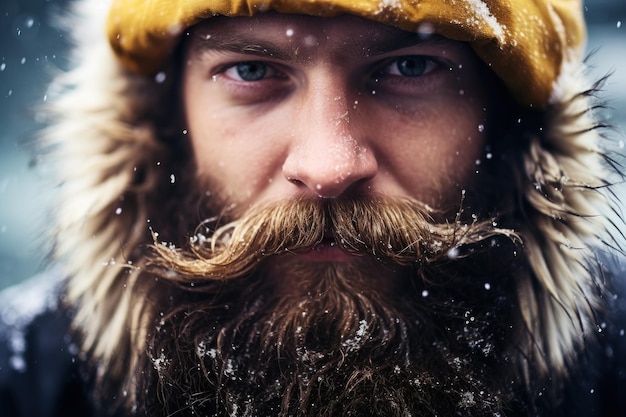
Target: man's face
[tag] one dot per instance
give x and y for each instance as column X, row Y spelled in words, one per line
column 340, row 144
column 282, row 106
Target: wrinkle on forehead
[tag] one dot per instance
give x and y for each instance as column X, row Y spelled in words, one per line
column 288, row 37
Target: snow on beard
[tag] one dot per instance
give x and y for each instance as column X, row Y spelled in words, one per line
column 246, row 328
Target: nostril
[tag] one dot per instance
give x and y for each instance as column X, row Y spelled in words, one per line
column 328, row 176
column 328, row 163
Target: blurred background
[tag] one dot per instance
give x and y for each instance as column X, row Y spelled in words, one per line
column 32, row 50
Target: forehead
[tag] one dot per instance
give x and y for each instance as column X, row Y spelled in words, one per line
column 350, row 35
column 293, row 25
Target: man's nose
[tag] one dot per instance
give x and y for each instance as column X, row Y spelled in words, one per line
column 329, row 154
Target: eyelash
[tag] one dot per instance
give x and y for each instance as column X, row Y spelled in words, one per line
column 270, row 71
column 273, row 84
column 428, row 65
column 267, row 68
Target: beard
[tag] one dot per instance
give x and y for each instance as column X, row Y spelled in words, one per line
column 418, row 324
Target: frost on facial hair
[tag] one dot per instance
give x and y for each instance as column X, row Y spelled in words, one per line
column 20, row 305
column 354, row 344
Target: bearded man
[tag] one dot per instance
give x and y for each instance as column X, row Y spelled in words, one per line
column 324, row 208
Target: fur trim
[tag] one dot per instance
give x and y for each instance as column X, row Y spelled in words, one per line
column 100, row 140
column 111, row 158
column 564, row 223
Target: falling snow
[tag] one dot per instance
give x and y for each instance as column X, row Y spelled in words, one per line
column 160, row 77
column 453, row 253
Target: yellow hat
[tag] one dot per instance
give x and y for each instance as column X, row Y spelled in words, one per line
column 524, row 41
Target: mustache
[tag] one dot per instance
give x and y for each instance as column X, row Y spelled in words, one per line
column 402, row 231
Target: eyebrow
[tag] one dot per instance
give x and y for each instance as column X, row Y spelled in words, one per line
column 364, row 47
column 242, row 45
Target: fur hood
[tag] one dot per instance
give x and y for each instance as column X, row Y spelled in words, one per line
column 116, row 172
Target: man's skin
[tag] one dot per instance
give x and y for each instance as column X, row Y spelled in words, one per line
column 331, row 107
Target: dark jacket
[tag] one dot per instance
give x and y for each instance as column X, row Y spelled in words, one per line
column 39, row 370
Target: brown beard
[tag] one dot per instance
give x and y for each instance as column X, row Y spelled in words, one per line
column 242, row 327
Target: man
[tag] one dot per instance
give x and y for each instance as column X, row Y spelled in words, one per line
column 325, row 208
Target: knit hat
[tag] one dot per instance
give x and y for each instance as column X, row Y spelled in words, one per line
column 525, row 42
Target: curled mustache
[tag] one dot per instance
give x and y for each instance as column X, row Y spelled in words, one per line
column 396, row 230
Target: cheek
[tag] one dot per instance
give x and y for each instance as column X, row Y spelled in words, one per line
column 463, row 144
column 240, row 158
column 437, row 157
column 211, row 132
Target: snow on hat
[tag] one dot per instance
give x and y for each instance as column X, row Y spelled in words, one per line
column 526, row 42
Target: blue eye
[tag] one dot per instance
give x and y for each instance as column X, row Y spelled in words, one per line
column 409, row 66
column 248, row 71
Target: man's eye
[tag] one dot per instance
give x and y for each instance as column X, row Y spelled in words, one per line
column 409, row 66
column 248, row 71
